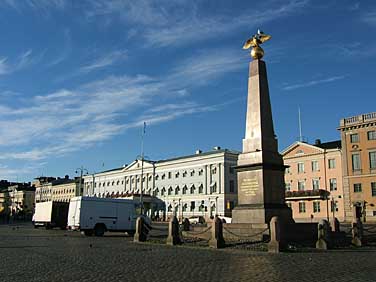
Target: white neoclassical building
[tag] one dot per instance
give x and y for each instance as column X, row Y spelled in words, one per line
column 203, row 184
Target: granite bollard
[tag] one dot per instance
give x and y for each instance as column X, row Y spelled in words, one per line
column 357, row 233
column 173, row 232
column 216, row 240
column 323, row 230
column 140, row 235
column 275, row 244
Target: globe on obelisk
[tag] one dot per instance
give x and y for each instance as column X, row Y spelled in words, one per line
column 260, row 169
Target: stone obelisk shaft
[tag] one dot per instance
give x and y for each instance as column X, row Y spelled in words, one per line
column 260, row 166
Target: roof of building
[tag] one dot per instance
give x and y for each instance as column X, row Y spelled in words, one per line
column 318, row 144
column 201, row 154
column 215, row 151
column 62, row 181
column 329, row 145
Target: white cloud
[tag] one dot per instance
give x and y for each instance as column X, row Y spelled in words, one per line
column 105, row 61
column 66, row 49
column 35, row 4
column 203, row 67
column 312, row 83
column 4, row 68
column 369, row 18
column 173, row 23
column 23, row 61
column 69, row 120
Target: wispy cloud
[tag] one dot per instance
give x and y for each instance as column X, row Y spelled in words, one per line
column 369, row 18
column 178, row 22
column 35, row 4
column 104, row 61
column 196, row 28
column 12, row 174
column 24, row 60
column 66, row 49
column 354, row 50
column 312, row 83
column 205, row 66
column 68, row 120
column 354, row 6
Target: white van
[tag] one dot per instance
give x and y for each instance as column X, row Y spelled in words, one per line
column 97, row 215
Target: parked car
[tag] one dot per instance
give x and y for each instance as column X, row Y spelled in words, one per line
column 196, row 219
column 225, row 219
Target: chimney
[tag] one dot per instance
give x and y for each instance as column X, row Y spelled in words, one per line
column 216, row 148
column 317, row 142
column 198, row 152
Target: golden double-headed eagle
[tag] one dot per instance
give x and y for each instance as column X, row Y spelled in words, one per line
column 255, row 41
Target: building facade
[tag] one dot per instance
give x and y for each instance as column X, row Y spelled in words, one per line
column 17, row 200
column 58, row 190
column 203, row 184
column 313, row 181
column 358, row 137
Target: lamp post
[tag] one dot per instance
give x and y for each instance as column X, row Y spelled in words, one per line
column 333, row 209
column 81, row 169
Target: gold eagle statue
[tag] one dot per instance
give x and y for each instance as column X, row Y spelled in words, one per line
column 255, row 41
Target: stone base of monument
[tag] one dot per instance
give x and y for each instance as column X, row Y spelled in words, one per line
column 261, row 214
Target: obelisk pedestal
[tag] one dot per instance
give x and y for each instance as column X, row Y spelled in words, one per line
column 260, row 169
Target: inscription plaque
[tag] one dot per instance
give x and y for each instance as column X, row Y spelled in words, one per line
column 249, row 186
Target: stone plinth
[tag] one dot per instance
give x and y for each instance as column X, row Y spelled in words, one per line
column 261, row 188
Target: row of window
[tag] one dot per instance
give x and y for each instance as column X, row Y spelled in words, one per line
column 315, row 185
column 58, row 192
column 314, row 166
column 163, row 176
column 316, row 206
column 356, row 162
column 358, row 188
column 371, row 135
column 185, row 190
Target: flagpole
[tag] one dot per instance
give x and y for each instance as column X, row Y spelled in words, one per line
column 142, row 168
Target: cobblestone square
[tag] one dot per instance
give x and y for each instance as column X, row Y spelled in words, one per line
column 54, row 255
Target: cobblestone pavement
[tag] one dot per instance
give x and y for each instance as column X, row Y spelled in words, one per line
column 29, row 254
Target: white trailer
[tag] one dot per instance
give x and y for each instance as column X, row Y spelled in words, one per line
column 50, row 214
column 94, row 215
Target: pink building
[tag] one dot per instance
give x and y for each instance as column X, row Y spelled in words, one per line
column 313, row 181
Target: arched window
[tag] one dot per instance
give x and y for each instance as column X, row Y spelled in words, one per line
column 193, row 189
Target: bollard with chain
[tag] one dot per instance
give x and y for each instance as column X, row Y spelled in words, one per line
column 275, row 244
column 140, row 235
column 186, row 224
column 323, row 235
column 357, row 233
column 216, row 240
column 335, row 225
column 173, row 232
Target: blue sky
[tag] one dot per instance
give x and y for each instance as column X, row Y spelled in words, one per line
column 79, row 78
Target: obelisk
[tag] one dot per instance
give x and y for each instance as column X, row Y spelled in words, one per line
column 260, row 169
